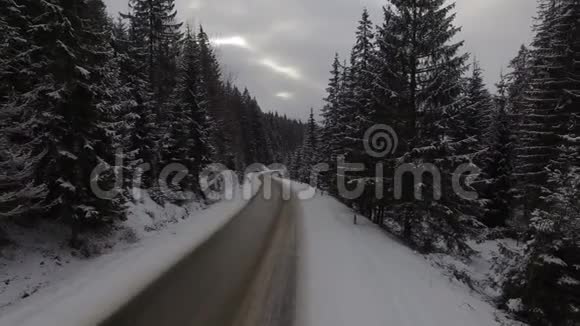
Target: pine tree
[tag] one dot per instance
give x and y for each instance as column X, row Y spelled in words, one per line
column 134, row 101
column 212, row 93
column 476, row 115
column 551, row 102
column 356, row 89
column 154, row 43
column 330, row 111
column 254, row 135
column 141, row 140
column 474, row 135
column 158, row 35
column 497, row 161
column 518, row 80
column 73, row 104
column 361, row 107
column 390, row 104
column 514, row 86
column 20, row 194
column 333, row 132
column 547, row 279
column 362, row 75
column 311, row 147
column 549, row 143
column 189, row 141
column 422, row 71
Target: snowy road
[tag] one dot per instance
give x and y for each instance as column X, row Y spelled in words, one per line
column 228, row 267
column 357, row 275
column 275, row 263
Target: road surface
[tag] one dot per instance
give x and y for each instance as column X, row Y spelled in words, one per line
column 244, row 275
column 278, row 262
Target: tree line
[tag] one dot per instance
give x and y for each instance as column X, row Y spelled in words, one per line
column 520, row 146
column 79, row 89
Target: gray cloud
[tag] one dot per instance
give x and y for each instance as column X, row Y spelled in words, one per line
column 282, row 51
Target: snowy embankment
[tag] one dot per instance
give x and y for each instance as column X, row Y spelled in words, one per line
column 40, row 274
column 486, row 270
column 347, row 274
column 358, row 275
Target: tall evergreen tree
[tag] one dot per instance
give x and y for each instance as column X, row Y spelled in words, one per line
column 518, row 80
column 497, row 162
column 549, row 108
column 476, row 115
column 548, row 168
column 212, row 94
column 154, row 43
column 332, row 131
column 513, row 91
column 20, row 155
column 355, row 93
column 134, row 116
column 158, row 35
column 311, row 148
column 425, row 81
column 256, row 150
column 189, row 142
column 73, row 102
column 359, row 105
column 473, row 135
column 362, row 74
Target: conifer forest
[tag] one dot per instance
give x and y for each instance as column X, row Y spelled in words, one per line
column 410, row 136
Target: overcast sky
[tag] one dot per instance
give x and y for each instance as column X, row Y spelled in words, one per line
column 282, row 50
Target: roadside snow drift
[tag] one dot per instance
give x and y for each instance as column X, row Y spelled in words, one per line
column 90, row 290
column 357, row 275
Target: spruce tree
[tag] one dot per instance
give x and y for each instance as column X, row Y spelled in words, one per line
column 361, row 108
column 362, row 74
column 254, row 135
column 311, row 147
column 73, row 103
column 134, row 102
column 513, row 91
column 330, row 111
column 20, row 153
column 518, row 80
column 550, row 100
column 154, row 43
column 549, row 143
column 424, row 75
column 212, row 93
column 474, row 136
column 476, row 115
column 333, row 114
column 497, row 162
column 390, row 106
column 190, row 142
column 158, row 35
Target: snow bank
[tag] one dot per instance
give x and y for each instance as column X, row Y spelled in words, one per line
column 45, row 283
column 482, row 272
column 358, row 275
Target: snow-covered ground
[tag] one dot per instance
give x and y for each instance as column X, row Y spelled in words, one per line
column 347, row 274
column 39, row 273
column 358, row 275
column 485, row 271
